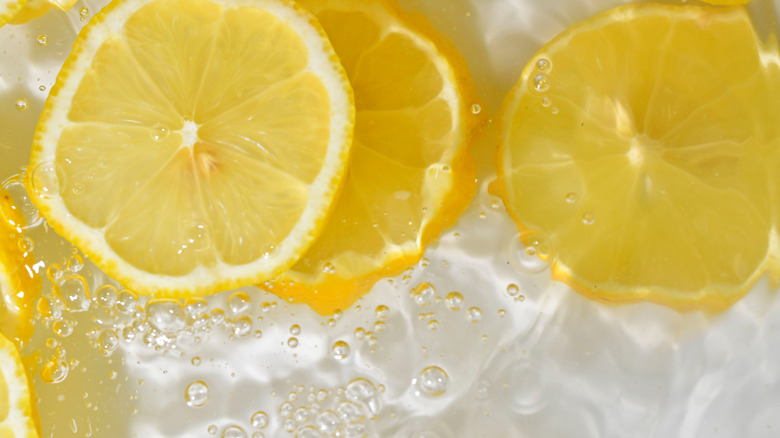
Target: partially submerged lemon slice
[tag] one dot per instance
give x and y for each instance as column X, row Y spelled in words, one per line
column 16, row 418
column 410, row 174
column 19, row 284
column 632, row 141
column 190, row 146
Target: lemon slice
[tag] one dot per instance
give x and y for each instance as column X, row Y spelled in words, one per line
column 632, row 142
column 19, row 285
column 727, row 2
column 36, row 8
column 192, row 146
column 410, row 174
column 9, row 8
column 16, row 418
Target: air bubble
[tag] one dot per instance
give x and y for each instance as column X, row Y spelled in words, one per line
column 48, row 308
column 571, row 197
column 286, row 409
column 73, row 291
column 476, row 108
column 541, row 82
column 588, row 218
column 259, row 420
column 423, row 294
column 531, row 252
column 382, row 311
column 25, row 244
column 474, row 314
column 292, row 342
column 107, row 342
column 365, row 392
column 546, row 102
column 301, row 415
column 22, row 104
column 62, row 328
column 196, row 394
column 242, row 326
column 238, row 303
column 42, row 39
column 328, row 422
column 106, row 296
column 233, row 432
column 433, row 381
column 295, row 330
column 340, row 350
column 126, row 301
column 454, row 301
column 15, row 188
column 46, row 179
column 166, row 315
column 195, row 307
column 54, row 371
column 543, row 64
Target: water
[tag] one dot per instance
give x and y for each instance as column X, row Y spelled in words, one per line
column 488, row 346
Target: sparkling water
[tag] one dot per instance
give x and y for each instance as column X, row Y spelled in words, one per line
column 473, row 341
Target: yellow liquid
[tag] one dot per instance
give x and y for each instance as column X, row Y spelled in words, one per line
column 470, row 342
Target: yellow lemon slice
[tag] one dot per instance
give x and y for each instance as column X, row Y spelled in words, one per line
column 9, row 8
column 632, row 141
column 19, row 284
column 190, row 146
column 16, row 418
column 36, row 8
column 410, row 174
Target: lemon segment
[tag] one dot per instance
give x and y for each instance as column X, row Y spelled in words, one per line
column 410, row 174
column 183, row 163
column 16, row 417
column 633, row 141
column 19, row 284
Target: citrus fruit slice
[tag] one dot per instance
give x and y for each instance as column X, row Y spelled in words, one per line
column 19, row 284
column 727, row 2
column 16, row 420
column 192, row 146
column 36, row 8
column 632, row 142
column 410, row 174
column 9, row 8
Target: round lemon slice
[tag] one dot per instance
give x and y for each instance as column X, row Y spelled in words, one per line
column 16, row 418
column 190, row 146
column 410, row 174
column 632, row 142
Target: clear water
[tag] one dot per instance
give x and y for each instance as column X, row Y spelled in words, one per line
column 489, row 347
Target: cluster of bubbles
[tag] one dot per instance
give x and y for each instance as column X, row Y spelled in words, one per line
column 343, row 412
column 425, row 294
column 341, row 348
column 167, row 325
column 540, row 81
